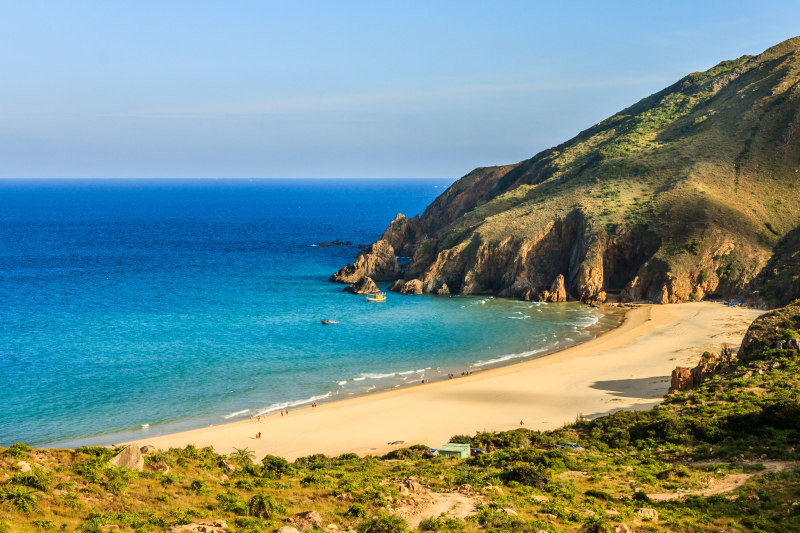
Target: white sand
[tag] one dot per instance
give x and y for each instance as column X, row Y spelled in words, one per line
column 626, row 368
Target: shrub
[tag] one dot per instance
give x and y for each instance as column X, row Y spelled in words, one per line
column 599, row 494
column 383, row 523
column 536, row 476
column 44, row 525
column 596, row 524
column 35, row 480
column 262, row 506
column 275, row 467
column 17, row 451
column 21, row 498
column 5, row 527
column 232, row 502
column 199, row 487
column 356, row 511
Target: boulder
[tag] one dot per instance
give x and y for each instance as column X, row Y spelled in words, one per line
column 332, row 527
column 412, row 287
column 211, row 526
column 147, row 449
column 540, row 499
column 377, row 261
column 623, row 528
column 306, row 521
column 681, row 379
column 24, row 467
column 363, row 286
column 647, row 514
column 345, row 497
column 157, row 467
column 287, row 529
column 130, row 457
column 442, row 290
column 558, row 292
column 509, row 512
column 663, row 297
column 227, row 465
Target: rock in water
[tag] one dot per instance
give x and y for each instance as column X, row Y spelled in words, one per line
column 377, row 261
column 130, row 458
column 412, row 287
column 442, row 290
column 306, row 521
column 397, row 286
column 363, row 286
column 558, row 293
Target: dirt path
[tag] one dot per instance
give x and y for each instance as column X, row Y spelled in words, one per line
column 723, row 486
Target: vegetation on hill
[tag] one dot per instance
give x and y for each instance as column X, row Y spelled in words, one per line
column 720, row 457
column 685, row 194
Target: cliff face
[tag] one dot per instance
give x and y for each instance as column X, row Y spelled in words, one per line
column 683, row 195
column 376, row 261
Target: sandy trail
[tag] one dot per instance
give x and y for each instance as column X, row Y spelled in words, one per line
column 626, row 368
column 725, row 485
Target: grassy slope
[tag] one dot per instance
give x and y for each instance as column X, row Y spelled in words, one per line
column 710, row 164
column 746, row 414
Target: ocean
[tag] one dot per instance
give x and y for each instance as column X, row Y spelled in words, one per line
column 141, row 307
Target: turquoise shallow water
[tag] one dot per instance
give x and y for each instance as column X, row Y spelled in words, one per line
column 186, row 303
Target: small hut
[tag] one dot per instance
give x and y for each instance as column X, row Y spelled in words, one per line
column 455, row 450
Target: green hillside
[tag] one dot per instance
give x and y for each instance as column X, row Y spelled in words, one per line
column 684, row 194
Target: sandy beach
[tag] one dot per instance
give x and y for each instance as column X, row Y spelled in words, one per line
column 626, row 368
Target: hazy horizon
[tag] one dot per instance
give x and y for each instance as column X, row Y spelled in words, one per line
column 351, row 90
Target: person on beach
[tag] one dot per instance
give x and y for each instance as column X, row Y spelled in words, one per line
column 521, row 423
column 281, row 412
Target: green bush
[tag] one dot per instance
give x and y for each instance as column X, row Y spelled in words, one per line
column 275, row 467
column 356, row 511
column 442, row 523
column 17, row 451
column 262, row 506
column 22, row 499
column 232, row 502
column 36, row 480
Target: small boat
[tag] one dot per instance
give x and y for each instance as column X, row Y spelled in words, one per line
column 326, row 322
column 380, row 297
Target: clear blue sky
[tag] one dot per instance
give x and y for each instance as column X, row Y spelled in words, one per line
column 339, row 89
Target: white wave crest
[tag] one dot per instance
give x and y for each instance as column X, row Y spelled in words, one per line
column 237, row 413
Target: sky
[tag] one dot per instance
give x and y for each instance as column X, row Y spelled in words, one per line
column 339, row 89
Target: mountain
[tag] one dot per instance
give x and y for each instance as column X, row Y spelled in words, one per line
column 688, row 193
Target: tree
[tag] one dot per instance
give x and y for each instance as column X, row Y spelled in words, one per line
column 261, row 506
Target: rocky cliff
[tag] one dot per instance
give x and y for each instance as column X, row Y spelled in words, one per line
column 683, row 195
column 376, row 261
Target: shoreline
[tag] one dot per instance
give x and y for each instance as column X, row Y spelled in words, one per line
column 544, row 392
column 477, row 367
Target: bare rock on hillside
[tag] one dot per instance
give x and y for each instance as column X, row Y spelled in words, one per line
column 24, row 467
column 558, row 292
column 681, row 379
column 147, row 448
column 227, row 465
column 287, row 529
column 211, row 526
column 363, row 286
column 413, row 286
column 647, row 514
column 401, row 233
column 397, row 286
column 377, row 261
column 623, row 528
column 157, row 467
column 306, row 521
column 130, row 458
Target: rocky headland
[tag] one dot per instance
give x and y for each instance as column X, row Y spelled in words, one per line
column 688, row 194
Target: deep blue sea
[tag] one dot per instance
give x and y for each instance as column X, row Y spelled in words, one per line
column 177, row 304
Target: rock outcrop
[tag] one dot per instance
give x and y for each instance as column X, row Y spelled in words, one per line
column 157, row 467
column 306, row 521
column 147, row 449
column 685, row 378
column 377, row 261
column 442, row 290
column 413, row 286
column 401, row 233
column 558, row 292
column 363, row 286
column 130, row 457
